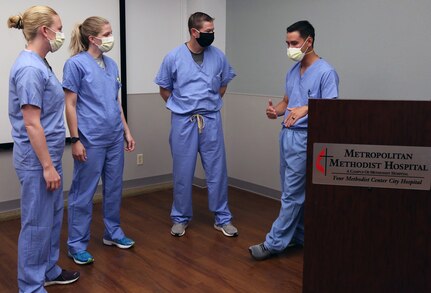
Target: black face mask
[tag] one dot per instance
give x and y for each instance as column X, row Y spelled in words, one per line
column 205, row 39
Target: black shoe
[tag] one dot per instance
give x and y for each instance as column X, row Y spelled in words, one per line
column 66, row 277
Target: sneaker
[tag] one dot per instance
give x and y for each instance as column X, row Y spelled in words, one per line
column 122, row 243
column 81, row 257
column 228, row 229
column 179, row 229
column 259, row 252
column 66, row 277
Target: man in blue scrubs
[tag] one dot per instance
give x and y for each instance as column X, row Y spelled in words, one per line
column 193, row 79
column 310, row 78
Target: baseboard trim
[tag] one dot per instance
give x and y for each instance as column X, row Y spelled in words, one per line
column 255, row 188
column 244, row 185
column 199, row 182
column 11, row 209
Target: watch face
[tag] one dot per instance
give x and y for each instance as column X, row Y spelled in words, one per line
column 74, row 139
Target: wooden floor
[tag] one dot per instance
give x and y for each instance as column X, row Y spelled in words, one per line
column 203, row 260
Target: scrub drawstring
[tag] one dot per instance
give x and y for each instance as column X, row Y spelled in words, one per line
column 200, row 119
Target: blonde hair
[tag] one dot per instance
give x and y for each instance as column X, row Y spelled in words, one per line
column 92, row 26
column 31, row 20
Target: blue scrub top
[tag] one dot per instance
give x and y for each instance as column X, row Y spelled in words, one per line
column 31, row 82
column 319, row 81
column 195, row 88
column 97, row 108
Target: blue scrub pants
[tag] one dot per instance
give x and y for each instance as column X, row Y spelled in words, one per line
column 290, row 223
column 102, row 162
column 186, row 142
column 39, row 238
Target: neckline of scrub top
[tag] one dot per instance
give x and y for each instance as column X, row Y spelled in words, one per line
column 191, row 57
column 43, row 60
column 100, row 62
column 95, row 62
column 309, row 68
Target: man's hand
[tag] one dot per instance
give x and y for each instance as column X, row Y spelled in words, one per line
column 294, row 115
column 271, row 113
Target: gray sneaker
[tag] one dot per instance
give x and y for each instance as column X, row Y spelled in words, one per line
column 178, row 229
column 228, row 229
column 259, row 252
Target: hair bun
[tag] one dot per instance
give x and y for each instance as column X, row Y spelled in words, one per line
column 15, row 22
column 19, row 24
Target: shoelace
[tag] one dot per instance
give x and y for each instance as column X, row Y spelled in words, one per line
column 200, row 119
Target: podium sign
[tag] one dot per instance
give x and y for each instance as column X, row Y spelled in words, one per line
column 401, row 167
column 367, row 213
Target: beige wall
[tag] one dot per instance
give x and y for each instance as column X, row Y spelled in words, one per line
column 149, row 122
column 251, row 144
column 251, row 140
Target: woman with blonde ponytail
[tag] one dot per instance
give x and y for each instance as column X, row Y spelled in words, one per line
column 98, row 132
column 36, row 103
column 76, row 46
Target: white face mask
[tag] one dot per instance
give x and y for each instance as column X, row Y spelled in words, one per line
column 107, row 44
column 57, row 42
column 295, row 53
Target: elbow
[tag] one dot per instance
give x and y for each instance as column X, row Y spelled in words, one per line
column 31, row 127
column 70, row 105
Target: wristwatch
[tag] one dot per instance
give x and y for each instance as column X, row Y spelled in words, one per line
column 74, row 139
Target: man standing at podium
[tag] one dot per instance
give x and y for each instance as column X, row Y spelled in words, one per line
column 311, row 77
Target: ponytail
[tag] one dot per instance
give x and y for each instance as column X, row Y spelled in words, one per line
column 76, row 43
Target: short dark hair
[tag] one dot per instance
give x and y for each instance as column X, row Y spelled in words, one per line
column 304, row 28
column 196, row 20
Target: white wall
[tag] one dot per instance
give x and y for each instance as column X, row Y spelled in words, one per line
column 156, row 27
column 367, row 41
column 153, row 29
column 71, row 12
column 252, row 36
column 148, row 40
column 378, row 47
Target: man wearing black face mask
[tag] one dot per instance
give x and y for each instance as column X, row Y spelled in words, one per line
column 193, row 79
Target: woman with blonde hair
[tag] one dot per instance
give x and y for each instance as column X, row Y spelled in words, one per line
column 98, row 130
column 36, row 103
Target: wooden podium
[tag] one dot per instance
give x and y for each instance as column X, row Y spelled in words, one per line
column 367, row 239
